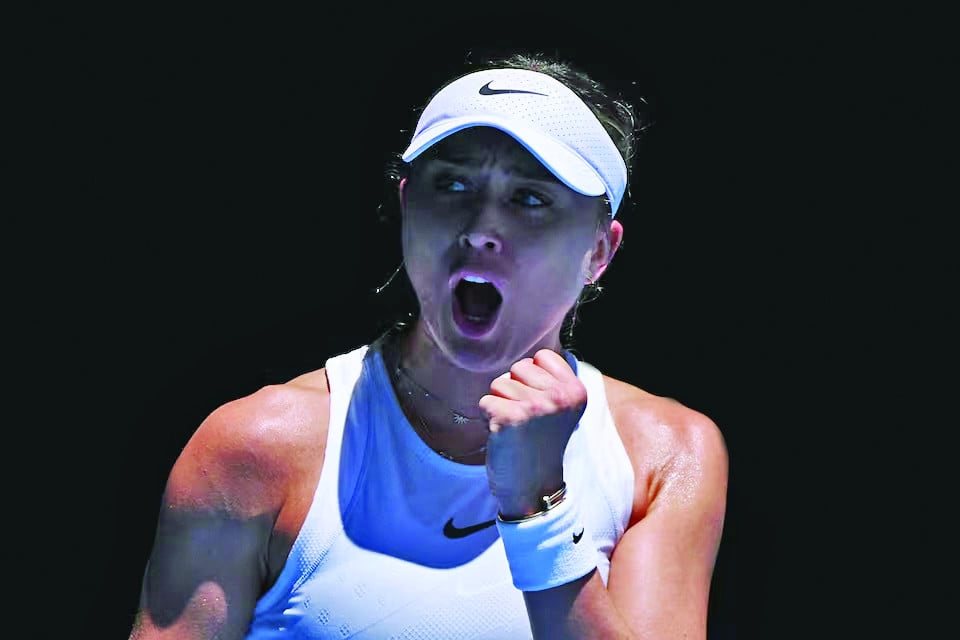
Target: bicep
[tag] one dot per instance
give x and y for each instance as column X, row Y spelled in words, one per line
column 204, row 575
column 661, row 569
column 225, row 494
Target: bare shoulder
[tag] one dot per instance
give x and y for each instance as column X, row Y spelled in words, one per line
column 253, row 451
column 677, row 452
column 232, row 505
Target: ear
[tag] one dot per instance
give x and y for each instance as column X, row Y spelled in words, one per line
column 608, row 241
column 402, row 195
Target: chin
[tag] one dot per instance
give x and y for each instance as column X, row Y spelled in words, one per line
column 496, row 352
column 478, row 356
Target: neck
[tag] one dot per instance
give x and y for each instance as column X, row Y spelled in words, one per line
column 453, row 387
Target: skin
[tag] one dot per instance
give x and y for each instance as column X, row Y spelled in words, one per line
column 246, row 478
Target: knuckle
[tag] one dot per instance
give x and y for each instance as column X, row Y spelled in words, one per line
column 557, row 396
column 519, row 365
column 536, row 406
column 578, row 393
column 541, row 356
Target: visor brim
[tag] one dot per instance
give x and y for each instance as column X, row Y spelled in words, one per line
column 567, row 165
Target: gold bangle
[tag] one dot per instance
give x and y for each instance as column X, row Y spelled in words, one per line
column 546, row 504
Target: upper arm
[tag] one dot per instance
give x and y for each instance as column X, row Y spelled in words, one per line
column 208, row 563
column 203, row 576
column 661, row 569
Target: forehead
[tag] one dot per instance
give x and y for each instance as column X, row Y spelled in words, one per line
column 477, row 147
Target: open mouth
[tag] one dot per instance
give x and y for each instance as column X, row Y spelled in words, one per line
column 476, row 306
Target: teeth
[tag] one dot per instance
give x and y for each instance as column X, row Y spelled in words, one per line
column 475, row 279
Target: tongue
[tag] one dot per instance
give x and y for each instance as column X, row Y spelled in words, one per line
column 478, row 300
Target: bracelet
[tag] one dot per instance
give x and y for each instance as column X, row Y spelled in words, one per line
column 546, row 503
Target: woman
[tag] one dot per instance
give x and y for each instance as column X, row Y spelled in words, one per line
column 463, row 476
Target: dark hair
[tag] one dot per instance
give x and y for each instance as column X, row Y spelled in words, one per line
column 616, row 113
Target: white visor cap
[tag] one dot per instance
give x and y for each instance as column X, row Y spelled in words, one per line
column 542, row 114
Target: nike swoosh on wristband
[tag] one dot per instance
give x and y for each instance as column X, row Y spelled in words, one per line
column 485, row 90
column 454, row 532
column 577, row 536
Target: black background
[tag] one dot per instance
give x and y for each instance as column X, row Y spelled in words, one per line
column 207, row 220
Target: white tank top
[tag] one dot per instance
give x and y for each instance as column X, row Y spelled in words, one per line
column 400, row 542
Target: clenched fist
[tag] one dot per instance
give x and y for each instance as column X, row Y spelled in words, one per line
column 533, row 410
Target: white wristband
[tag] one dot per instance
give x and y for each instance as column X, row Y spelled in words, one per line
column 549, row 550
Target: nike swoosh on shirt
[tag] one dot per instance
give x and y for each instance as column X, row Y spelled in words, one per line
column 485, row 90
column 452, row 531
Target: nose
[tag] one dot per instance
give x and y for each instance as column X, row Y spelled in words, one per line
column 481, row 231
column 480, row 240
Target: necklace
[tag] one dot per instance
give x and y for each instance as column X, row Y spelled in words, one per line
column 457, row 416
column 423, row 429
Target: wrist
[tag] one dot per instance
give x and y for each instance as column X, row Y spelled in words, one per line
column 550, row 548
column 527, row 499
column 527, row 508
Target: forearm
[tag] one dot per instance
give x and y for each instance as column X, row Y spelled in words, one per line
column 553, row 562
column 579, row 609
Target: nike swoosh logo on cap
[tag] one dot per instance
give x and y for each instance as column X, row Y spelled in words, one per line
column 577, row 536
column 454, row 532
column 485, row 90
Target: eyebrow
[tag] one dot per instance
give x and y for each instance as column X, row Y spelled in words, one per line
column 531, row 171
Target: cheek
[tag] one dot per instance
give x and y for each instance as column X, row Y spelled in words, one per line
column 558, row 273
column 422, row 234
column 423, row 250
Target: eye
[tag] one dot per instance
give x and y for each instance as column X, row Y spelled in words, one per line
column 451, row 184
column 528, row 198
